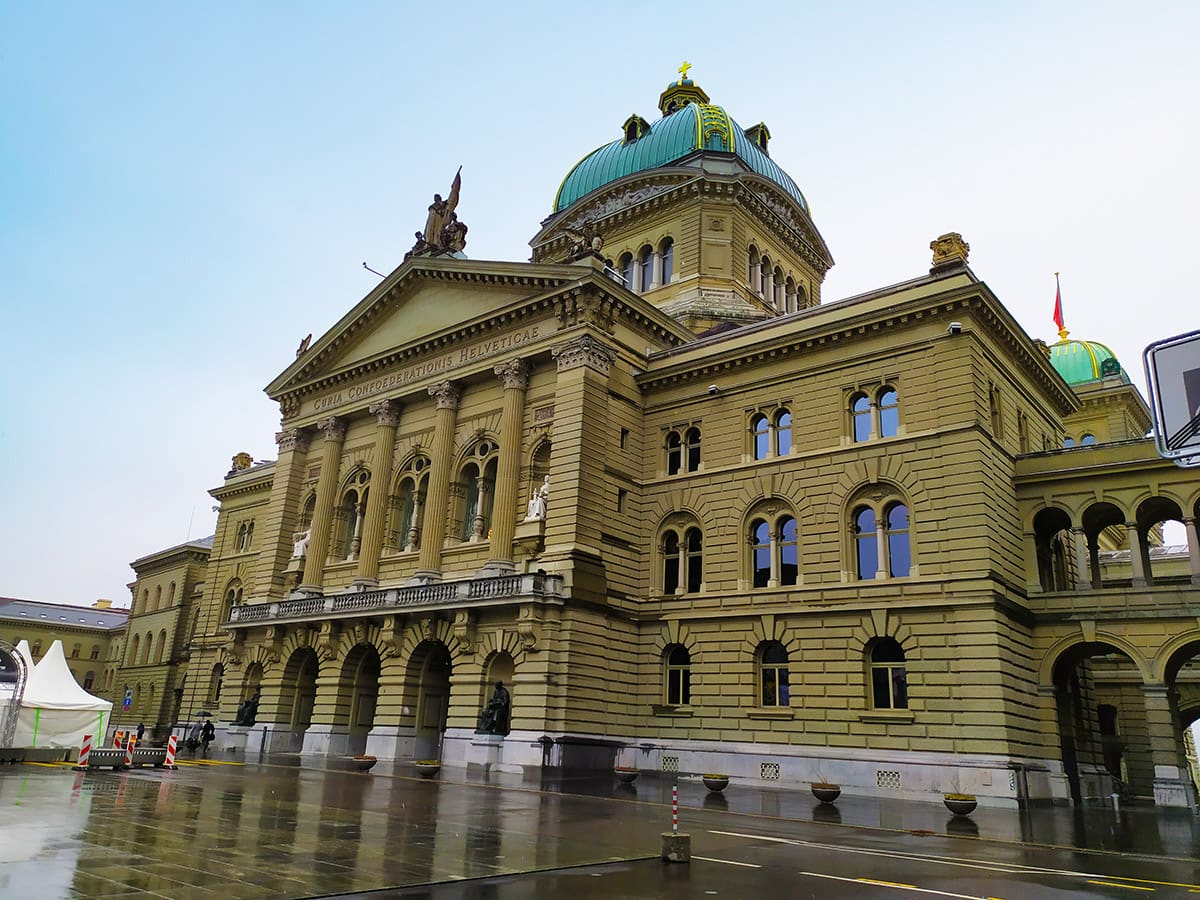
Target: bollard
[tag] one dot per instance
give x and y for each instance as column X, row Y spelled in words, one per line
column 85, row 750
column 169, row 762
column 129, row 751
column 676, row 845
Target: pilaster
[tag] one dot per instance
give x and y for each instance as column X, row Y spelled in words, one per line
column 283, row 509
column 447, row 397
column 387, row 413
column 334, row 431
column 514, row 377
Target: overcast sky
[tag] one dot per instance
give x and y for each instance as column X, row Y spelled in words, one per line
column 186, row 192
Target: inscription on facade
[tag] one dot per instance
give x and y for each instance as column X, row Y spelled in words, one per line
column 543, row 414
column 438, row 365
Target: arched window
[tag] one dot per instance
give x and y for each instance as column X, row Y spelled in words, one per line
column 233, row 597
column 158, row 597
column 195, row 625
column 215, row 680
column 774, row 687
column 1087, row 440
column 666, row 252
column 76, row 650
column 777, row 289
column 670, row 551
column 36, row 650
column 645, row 268
column 860, row 411
column 404, row 520
column 899, row 551
column 678, row 676
column 789, row 552
column 477, row 481
column 760, row 537
column 89, row 679
column 783, row 433
column 694, row 558
column 171, row 595
column 674, row 453
column 627, row 270
column 95, row 652
column 889, row 678
column 1068, row 441
column 753, row 269
column 349, row 516
column 134, row 645
column 760, row 427
column 692, row 442
column 865, row 544
column 162, row 645
column 764, row 275
column 889, row 412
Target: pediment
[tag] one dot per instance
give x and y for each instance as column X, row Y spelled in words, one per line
column 422, row 304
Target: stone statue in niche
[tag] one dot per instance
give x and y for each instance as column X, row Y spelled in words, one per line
column 496, row 715
column 248, row 711
column 537, row 503
column 300, row 543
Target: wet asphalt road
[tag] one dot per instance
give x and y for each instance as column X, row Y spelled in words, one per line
column 224, row 829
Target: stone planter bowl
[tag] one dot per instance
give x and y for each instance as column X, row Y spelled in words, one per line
column 428, row 769
column 826, row 793
column 715, row 783
column 362, row 763
column 960, row 804
column 625, row 775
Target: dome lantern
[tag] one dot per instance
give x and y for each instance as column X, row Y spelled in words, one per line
column 680, row 93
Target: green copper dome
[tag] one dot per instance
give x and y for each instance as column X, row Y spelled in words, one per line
column 685, row 130
column 1079, row 362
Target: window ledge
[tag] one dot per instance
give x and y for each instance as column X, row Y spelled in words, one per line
column 782, row 712
column 884, row 716
column 662, row 709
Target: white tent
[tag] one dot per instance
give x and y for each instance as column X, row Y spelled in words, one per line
column 55, row 711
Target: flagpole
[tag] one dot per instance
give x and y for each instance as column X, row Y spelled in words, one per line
column 1058, row 313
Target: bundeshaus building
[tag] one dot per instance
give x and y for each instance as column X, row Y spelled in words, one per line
column 695, row 519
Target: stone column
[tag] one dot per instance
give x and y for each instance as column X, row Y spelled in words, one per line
column 1083, row 557
column 776, row 535
column 655, row 269
column 881, row 556
column 446, row 396
column 1193, row 543
column 1172, row 786
column 506, row 507
column 768, row 282
column 334, row 430
column 283, row 510
column 387, row 413
column 1136, row 560
column 754, row 276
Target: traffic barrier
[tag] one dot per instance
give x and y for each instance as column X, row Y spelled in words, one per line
column 129, row 751
column 85, row 750
column 119, row 739
column 106, row 756
column 169, row 761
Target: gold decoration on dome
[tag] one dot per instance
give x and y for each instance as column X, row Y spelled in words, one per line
column 683, row 70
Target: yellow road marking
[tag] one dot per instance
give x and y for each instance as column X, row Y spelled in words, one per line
column 729, row 862
column 885, row 883
column 891, row 884
column 1132, row 887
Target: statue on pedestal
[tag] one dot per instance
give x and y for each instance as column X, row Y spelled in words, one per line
column 537, row 503
column 494, row 719
column 248, row 711
column 444, row 233
column 300, row 543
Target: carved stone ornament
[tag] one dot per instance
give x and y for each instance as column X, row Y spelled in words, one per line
column 333, row 428
column 325, row 644
column 591, row 308
column 527, row 629
column 427, row 628
column 514, row 374
column 716, row 223
column 293, row 439
column 289, row 407
column 241, row 462
column 949, row 250
column 584, row 351
column 386, row 411
column 446, row 395
column 618, row 202
column 463, row 630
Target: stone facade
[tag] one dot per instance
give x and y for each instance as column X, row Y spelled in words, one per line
column 783, row 540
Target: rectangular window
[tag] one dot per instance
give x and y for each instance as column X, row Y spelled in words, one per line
column 621, row 495
column 624, row 438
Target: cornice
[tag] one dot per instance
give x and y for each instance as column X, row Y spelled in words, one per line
column 241, row 488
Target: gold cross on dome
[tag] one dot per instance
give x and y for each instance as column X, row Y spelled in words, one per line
column 683, row 70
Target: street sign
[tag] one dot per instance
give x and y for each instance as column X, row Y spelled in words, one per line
column 1173, row 373
column 128, row 701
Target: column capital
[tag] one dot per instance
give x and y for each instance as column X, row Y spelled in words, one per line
column 1189, row 520
column 333, row 428
column 513, row 374
column 584, row 351
column 386, row 411
column 446, row 395
column 293, row 439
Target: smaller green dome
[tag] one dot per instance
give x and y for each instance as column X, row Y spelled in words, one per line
column 1080, row 362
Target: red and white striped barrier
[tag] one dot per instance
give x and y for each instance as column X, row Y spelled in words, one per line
column 129, row 751
column 169, row 762
column 675, row 808
column 85, row 750
column 119, row 739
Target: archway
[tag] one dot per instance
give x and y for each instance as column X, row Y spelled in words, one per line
column 298, row 695
column 358, row 693
column 1102, row 722
column 432, row 660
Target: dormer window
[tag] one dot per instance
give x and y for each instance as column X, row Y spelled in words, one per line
column 635, row 127
column 759, row 135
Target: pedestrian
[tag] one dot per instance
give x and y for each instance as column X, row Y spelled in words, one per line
column 207, row 733
column 193, row 738
column 141, row 731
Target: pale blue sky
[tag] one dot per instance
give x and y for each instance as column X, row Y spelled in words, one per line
column 186, row 193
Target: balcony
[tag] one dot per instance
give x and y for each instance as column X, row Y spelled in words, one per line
column 473, row 593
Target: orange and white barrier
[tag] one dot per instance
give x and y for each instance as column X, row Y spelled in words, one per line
column 169, row 762
column 85, row 750
column 129, row 751
column 119, row 739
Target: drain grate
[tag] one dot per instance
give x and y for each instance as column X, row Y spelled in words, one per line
column 670, row 764
column 768, row 771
